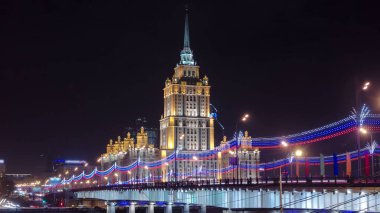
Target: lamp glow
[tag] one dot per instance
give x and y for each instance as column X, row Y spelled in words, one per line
column 366, row 85
column 298, row 153
column 284, row 143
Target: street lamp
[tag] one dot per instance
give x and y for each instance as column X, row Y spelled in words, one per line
column 370, row 146
column 298, row 154
column 362, row 130
column 130, row 177
column 175, row 157
column 284, row 143
column 117, row 177
column 195, row 158
column 291, row 158
column 364, row 87
column 242, row 119
column 146, row 174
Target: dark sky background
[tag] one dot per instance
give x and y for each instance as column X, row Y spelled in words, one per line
column 74, row 74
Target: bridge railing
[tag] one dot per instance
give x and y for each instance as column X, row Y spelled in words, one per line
column 250, row 182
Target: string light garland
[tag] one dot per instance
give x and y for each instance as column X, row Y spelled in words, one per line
column 349, row 124
column 314, row 161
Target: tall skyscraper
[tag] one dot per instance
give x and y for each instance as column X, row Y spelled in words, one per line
column 186, row 124
column 186, row 127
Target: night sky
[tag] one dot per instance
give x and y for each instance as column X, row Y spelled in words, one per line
column 74, row 74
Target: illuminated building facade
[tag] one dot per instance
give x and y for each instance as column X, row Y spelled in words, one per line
column 2, row 168
column 186, row 127
column 128, row 150
column 151, row 132
column 186, row 124
column 247, row 155
column 64, row 167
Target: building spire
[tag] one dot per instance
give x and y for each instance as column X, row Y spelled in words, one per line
column 186, row 40
column 186, row 53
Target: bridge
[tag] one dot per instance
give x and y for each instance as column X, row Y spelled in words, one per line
column 209, row 188
column 297, row 193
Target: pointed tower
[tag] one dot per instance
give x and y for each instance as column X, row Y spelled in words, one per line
column 185, row 124
column 186, row 53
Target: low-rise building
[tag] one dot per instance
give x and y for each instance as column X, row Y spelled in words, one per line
column 2, row 168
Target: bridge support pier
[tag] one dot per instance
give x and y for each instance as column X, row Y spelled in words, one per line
column 132, row 207
column 111, row 207
column 186, row 208
column 227, row 211
column 169, row 208
column 150, row 208
column 203, row 209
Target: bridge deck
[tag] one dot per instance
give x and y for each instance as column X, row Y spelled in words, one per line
column 270, row 183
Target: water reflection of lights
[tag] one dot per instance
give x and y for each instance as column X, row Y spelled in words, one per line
column 8, row 204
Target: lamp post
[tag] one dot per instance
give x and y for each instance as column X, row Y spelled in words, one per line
column 281, row 207
column 175, row 158
column 298, row 154
column 106, row 178
column 291, row 157
column 195, row 158
column 247, row 170
column 130, row 177
column 358, row 92
column 374, row 146
column 242, row 119
column 364, row 131
column 196, row 174
column 371, row 146
column 257, row 165
column 147, row 173
column 285, row 144
column 137, row 169
column 116, row 177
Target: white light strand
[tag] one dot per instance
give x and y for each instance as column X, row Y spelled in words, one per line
column 371, row 147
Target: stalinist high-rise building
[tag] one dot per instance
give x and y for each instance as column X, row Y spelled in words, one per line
column 186, row 128
column 185, row 123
